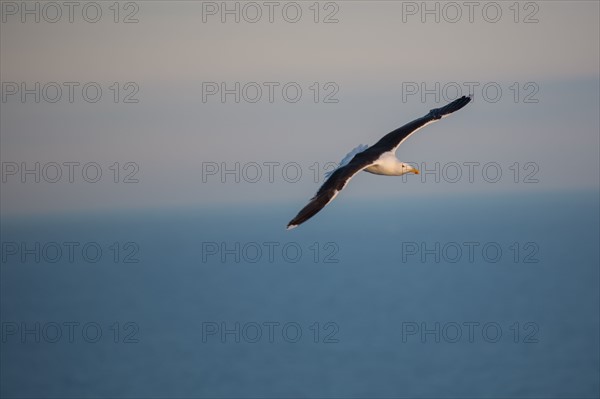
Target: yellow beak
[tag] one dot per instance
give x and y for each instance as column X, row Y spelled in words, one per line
column 416, row 171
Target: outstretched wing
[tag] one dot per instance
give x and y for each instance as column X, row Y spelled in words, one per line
column 392, row 140
column 348, row 158
column 359, row 160
column 332, row 186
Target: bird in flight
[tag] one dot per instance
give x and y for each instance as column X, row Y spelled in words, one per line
column 379, row 159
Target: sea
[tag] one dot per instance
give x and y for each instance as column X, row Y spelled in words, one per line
column 478, row 296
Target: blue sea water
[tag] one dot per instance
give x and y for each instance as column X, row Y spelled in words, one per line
column 479, row 296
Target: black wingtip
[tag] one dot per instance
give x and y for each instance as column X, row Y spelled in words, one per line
column 317, row 203
column 452, row 107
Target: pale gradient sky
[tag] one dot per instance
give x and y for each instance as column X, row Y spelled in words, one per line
column 368, row 54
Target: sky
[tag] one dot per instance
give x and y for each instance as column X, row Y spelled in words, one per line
column 301, row 91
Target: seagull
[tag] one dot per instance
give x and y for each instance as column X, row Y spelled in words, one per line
column 379, row 159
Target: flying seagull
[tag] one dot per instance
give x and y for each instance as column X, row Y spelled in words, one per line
column 379, row 159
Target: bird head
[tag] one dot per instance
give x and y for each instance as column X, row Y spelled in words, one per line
column 406, row 168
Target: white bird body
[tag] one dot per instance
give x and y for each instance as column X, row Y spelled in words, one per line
column 389, row 165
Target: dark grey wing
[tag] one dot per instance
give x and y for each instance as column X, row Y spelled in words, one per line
column 332, row 186
column 338, row 179
column 392, row 140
